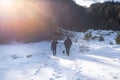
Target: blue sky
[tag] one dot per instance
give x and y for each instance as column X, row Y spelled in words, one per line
column 89, row 2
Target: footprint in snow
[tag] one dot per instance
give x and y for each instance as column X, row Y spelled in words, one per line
column 37, row 71
column 115, row 77
column 51, row 79
column 43, row 53
column 78, row 79
column 56, row 76
column 76, row 68
column 45, row 65
column 77, row 72
column 57, row 73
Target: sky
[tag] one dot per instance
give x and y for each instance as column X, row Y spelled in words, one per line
column 89, row 2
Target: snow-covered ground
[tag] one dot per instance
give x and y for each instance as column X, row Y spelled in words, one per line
column 89, row 60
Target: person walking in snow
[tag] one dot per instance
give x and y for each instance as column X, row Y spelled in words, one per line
column 67, row 44
column 54, row 46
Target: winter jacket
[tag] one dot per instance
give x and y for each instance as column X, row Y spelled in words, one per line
column 54, row 44
column 68, row 43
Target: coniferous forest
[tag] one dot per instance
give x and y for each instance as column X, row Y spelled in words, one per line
column 98, row 16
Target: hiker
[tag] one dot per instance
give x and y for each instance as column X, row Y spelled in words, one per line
column 54, row 46
column 68, row 44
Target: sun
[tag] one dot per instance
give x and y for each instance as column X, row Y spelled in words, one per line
column 7, row 6
column 6, row 2
column 15, row 9
column 25, row 17
column 25, row 13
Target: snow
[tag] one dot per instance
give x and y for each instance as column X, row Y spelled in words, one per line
column 89, row 60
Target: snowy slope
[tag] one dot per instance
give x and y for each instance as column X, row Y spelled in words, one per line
column 89, row 60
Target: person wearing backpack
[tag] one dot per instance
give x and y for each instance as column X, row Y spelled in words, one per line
column 67, row 44
column 54, row 46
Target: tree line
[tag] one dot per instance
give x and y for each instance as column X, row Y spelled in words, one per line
column 71, row 16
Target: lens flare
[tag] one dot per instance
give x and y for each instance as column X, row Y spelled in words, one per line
column 23, row 12
column 24, row 16
column 5, row 3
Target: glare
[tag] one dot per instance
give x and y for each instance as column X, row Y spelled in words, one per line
column 7, row 6
column 6, row 3
column 25, row 13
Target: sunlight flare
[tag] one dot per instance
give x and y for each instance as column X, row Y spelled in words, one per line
column 6, row 3
column 17, row 13
column 24, row 17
